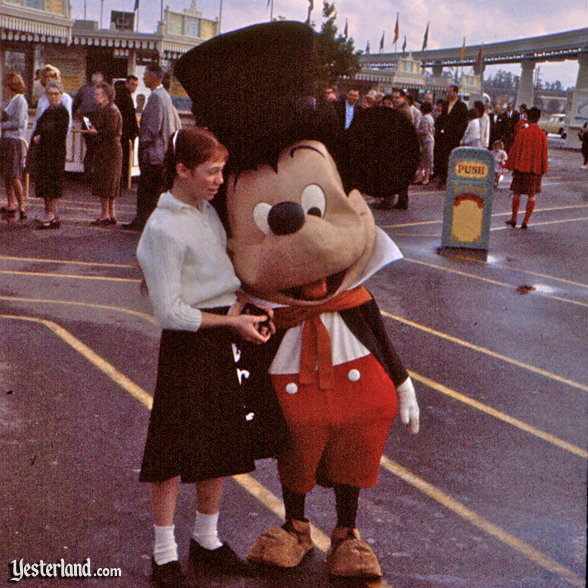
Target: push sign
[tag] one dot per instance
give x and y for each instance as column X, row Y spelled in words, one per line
column 468, row 199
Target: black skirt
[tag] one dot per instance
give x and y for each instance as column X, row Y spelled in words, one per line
column 202, row 424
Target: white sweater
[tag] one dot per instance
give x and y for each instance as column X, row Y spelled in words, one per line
column 184, row 259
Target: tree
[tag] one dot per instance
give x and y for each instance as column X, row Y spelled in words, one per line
column 334, row 53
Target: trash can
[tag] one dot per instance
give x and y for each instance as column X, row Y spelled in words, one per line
column 468, row 200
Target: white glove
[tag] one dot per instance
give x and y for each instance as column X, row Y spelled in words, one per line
column 409, row 408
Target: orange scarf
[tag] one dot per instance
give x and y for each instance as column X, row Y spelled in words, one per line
column 316, row 342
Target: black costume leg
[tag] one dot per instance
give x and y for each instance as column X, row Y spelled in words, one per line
column 294, row 504
column 347, row 501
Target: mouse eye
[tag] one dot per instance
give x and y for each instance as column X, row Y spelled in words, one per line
column 260, row 214
column 313, row 200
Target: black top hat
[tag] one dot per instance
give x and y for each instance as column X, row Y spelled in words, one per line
column 253, row 89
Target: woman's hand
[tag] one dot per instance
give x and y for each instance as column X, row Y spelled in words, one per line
column 37, row 139
column 92, row 131
column 248, row 328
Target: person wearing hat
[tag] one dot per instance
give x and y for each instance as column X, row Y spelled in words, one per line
column 303, row 245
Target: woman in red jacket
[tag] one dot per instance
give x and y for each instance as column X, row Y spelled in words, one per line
column 528, row 160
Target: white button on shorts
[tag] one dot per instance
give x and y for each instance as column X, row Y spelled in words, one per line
column 353, row 375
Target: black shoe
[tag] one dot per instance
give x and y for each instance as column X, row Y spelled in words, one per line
column 222, row 559
column 22, row 215
column 133, row 226
column 101, row 222
column 400, row 206
column 54, row 223
column 383, row 204
column 168, row 575
column 511, row 223
column 524, row 226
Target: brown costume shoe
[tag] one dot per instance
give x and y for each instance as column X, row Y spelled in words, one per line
column 284, row 547
column 351, row 557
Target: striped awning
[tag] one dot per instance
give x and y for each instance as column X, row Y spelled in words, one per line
column 13, row 28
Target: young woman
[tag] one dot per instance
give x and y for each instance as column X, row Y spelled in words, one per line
column 14, row 124
column 197, row 429
column 426, row 133
column 527, row 159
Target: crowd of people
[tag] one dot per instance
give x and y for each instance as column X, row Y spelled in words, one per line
column 377, row 152
column 382, row 157
column 108, row 118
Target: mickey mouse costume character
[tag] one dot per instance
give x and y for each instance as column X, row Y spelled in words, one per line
column 300, row 244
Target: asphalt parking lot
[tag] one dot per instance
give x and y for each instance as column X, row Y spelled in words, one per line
column 491, row 493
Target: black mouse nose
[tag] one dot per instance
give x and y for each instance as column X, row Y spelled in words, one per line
column 286, row 218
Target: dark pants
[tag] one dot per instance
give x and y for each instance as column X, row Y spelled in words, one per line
column 126, row 155
column 148, row 191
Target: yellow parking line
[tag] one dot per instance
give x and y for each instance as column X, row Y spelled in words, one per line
column 516, row 269
column 142, row 315
column 494, row 282
column 423, row 379
column 481, row 523
column 500, row 415
column 133, row 389
column 432, row 222
column 69, row 261
column 540, row 224
column 71, row 276
column 268, row 498
column 488, row 352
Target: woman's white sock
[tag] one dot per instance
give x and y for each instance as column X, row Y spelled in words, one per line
column 166, row 548
column 206, row 531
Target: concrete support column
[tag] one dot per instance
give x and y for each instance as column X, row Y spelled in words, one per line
column 582, row 80
column 577, row 110
column 132, row 62
column 525, row 93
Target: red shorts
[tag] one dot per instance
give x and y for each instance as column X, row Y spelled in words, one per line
column 347, row 426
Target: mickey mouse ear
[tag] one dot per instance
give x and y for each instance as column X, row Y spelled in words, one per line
column 251, row 88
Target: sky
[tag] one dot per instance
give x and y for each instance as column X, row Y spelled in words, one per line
column 479, row 21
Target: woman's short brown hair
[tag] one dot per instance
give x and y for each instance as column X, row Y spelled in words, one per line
column 107, row 89
column 14, row 82
column 191, row 146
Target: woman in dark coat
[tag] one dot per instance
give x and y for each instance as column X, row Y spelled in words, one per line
column 107, row 131
column 48, row 154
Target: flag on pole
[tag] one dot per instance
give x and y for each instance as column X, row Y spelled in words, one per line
column 382, row 42
column 367, row 48
column 136, row 6
column 404, row 45
column 479, row 58
column 396, row 30
column 426, row 38
column 462, row 52
column 346, row 31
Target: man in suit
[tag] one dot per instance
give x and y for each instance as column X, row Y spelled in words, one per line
column 347, row 109
column 496, row 125
column 130, row 128
column 347, row 112
column 449, row 130
column 511, row 118
column 159, row 121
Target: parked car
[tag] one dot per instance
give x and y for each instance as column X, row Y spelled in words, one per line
column 554, row 124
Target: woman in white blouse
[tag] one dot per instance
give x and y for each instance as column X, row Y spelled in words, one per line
column 14, row 124
column 471, row 137
column 197, row 429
